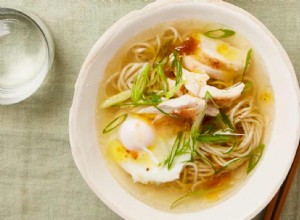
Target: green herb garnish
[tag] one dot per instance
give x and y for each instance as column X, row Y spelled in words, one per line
column 247, row 62
column 177, row 65
column 162, row 78
column 205, row 159
column 232, row 148
column 195, row 130
column 219, row 33
column 248, row 87
column 162, row 55
column 189, row 194
column 116, row 99
column 151, row 99
column 115, row 123
column 226, row 120
column 229, row 163
column 207, row 138
column 140, row 83
column 197, row 123
column 200, row 192
column 180, row 146
column 209, row 98
column 165, row 113
column 175, row 89
column 255, row 157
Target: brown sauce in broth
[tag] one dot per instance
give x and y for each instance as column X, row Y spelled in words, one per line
column 188, row 47
column 169, row 192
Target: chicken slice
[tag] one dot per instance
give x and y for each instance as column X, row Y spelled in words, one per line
column 194, row 81
column 220, row 55
column 228, row 94
column 212, row 110
column 186, row 106
column 194, row 65
column 217, row 58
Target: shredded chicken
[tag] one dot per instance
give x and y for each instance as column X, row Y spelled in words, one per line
column 228, row 94
column 185, row 106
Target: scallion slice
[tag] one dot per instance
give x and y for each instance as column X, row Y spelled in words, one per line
column 205, row 159
column 248, row 87
column 116, row 99
column 206, row 138
column 175, row 89
column 169, row 161
column 247, row 62
column 229, row 163
column 226, row 120
column 187, row 195
column 255, row 157
column 177, row 65
column 114, row 123
column 165, row 113
column 180, row 147
column 164, row 82
column 209, row 98
column 162, row 55
column 140, row 84
column 232, row 148
column 219, row 33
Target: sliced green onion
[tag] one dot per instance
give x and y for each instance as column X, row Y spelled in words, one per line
column 174, row 150
column 255, row 157
column 152, row 99
column 231, row 149
column 165, row 113
column 229, row 163
column 227, row 132
column 114, row 124
column 247, row 62
column 163, row 78
column 116, row 99
column 180, row 147
column 195, row 130
column 206, row 138
column 205, row 159
column 197, row 123
column 162, row 56
column 189, row 194
column 208, row 97
column 140, row 83
column 185, row 147
column 211, row 125
column 226, row 120
column 200, row 192
column 248, row 87
column 175, row 89
column 219, row 33
column 177, row 65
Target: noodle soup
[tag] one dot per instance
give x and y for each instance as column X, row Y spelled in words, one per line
column 183, row 115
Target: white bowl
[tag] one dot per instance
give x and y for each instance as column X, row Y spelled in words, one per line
column 270, row 173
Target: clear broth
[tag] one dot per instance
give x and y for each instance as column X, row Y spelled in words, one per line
column 163, row 195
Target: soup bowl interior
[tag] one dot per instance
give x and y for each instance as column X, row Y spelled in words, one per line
column 261, row 185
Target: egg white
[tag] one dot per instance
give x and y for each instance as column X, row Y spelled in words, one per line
column 143, row 156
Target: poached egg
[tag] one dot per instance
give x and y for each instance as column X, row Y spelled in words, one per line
column 140, row 151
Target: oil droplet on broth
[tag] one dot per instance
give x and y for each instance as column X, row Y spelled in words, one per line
column 266, row 96
column 227, row 52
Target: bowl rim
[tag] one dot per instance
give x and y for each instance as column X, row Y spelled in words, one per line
column 99, row 44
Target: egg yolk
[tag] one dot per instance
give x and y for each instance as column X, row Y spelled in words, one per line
column 120, row 154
